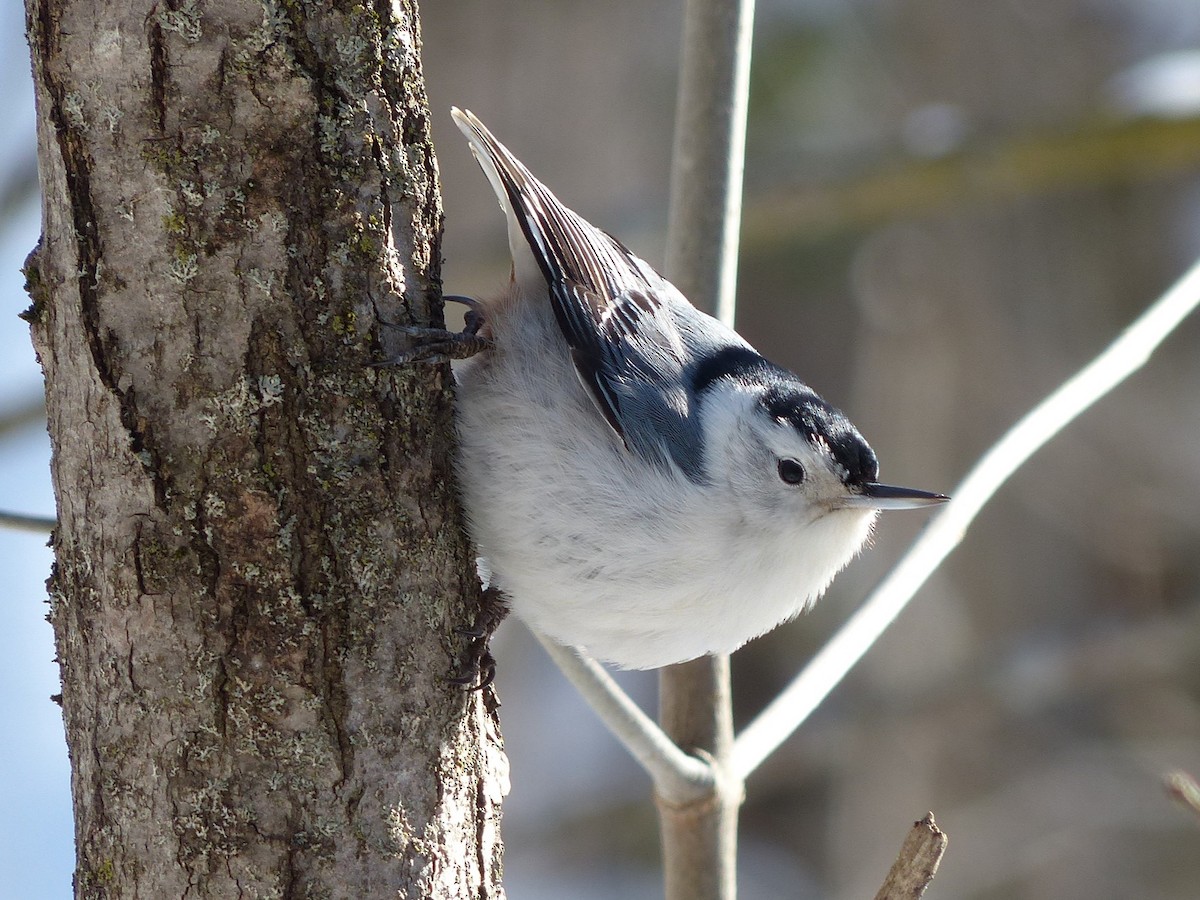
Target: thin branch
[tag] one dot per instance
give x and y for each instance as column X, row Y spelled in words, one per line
column 19, row 522
column 678, row 777
column 708, row 157
column 917, row 862
column 31, row 411
column 1128, row 353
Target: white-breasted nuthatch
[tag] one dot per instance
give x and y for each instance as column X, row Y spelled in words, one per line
column 640, row 481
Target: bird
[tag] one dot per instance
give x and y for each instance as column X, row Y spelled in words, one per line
column 639, row 481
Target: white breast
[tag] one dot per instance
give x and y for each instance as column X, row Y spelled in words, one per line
column 639, row 577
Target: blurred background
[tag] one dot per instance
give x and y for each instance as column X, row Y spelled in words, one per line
column 950, row 207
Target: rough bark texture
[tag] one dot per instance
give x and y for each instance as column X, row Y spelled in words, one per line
column 260, row 569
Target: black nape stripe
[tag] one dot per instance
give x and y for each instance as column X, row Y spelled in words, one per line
column 740, row 363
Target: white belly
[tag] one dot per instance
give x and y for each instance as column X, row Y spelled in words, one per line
column 639, row 577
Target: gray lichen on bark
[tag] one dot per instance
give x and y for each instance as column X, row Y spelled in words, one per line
column 259, row 561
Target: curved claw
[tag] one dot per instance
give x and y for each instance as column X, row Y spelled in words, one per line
column 474, row 319
column 479, row 671
column 481, row 674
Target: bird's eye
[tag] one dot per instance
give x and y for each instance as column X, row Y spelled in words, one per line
column 790, row 471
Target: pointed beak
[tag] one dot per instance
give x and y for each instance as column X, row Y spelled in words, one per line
column 873, row 495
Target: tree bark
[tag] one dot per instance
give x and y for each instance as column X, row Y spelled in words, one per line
column 260, row 568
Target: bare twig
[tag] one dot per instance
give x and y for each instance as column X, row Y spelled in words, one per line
column 705, row 212
column 1183, row 789
column 31, row 411
column 699, row 838
column 1124, row 356
column 19, row 522
column 678, row 777
column 917, row 862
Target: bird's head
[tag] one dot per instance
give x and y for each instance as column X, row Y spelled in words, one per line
column 787, row 456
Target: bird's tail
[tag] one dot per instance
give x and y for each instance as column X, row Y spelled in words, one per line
column 513, row 184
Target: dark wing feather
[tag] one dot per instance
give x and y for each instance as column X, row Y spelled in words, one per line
column 618, row 316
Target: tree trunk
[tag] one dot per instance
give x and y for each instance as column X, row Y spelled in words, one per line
column 260, row 567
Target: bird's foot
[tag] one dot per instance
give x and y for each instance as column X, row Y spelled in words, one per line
column 437, row 345
column 479, row 669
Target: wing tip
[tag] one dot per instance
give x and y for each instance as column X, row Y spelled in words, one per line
column 468, row 123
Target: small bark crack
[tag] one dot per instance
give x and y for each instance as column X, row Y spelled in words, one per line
column 158, row 69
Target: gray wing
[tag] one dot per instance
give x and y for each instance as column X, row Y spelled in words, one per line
column 630, row 332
